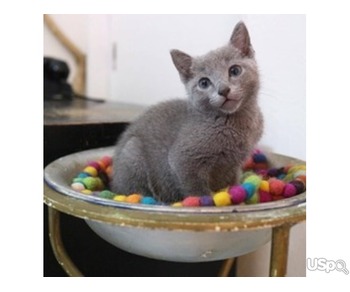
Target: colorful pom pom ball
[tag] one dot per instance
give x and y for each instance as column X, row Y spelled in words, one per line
column 206, row 201
column 276, row 186
column 238, row 194
column 191, row 201
column 222, row 199
column 259, row 184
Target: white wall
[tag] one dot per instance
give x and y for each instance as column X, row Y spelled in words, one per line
column 143, row 73
column 280, row 45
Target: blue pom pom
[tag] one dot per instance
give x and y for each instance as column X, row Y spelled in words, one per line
column 206, row 201
column 259, row 158
column 281, row 176
column 83, row 175
column 249, row 188
column 148, row 201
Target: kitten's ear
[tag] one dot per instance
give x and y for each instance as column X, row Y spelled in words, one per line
column 240, row 40
column 182, row 63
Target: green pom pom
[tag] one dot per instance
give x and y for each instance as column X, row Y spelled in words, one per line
column 78, row 179
column 107, row 194
column 253, row 199
column 91, row 183
column 246, row 174
column 253, row 179
column 100, row 184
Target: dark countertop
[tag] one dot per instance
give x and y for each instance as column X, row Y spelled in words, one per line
column 89, row 112
column 72, row 126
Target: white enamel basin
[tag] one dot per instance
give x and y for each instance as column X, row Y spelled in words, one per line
column 185, row 234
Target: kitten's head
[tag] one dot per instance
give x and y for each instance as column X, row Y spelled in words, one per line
column 222, row 80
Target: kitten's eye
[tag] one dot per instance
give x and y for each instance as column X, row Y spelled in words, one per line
column 235, row 70
column 204, row 83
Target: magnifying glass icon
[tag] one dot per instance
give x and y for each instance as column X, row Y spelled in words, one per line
column 340, row 266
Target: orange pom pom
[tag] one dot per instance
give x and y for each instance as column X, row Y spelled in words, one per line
column 109, row 170
column 134, row 198
column 302, row 178
column 106, row 160
column 102, row 165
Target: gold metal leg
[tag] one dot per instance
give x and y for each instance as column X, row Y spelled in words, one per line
column 279, row 250
column 226, row 267
column 57, row 245
column 278, row 260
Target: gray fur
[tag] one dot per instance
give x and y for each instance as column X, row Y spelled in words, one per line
column 195, row 146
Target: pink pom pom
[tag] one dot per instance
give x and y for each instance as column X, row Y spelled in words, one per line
column 264, row 196
column 106, row 160
column 238, row 194
column 191, row 202
column 289, row 191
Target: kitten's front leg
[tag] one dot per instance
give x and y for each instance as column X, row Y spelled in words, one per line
column 221, row 179
column 130, row 175
column 193, row 177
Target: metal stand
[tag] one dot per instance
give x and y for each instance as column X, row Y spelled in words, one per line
column 226, row 267
column 279, row 216
column 279, row 250
column 58, row 248
column 279, row 253
column 278, row 260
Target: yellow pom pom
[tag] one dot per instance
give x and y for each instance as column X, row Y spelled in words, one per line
column 91, row 170
column 299, row 169
column 119, row 198
column 177, row 204
column 222, row 199
column 86, row 192
column 299, row 173
column 264, row 186
column 296, row 168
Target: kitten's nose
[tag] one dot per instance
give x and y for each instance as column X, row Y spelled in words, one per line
column 224, row 91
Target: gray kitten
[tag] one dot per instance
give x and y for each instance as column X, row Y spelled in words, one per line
column 195, row 146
